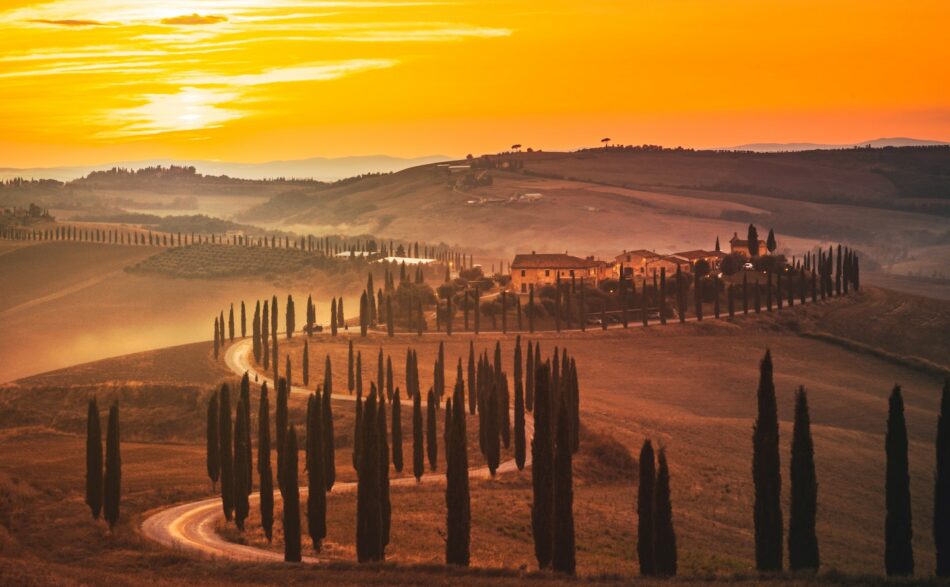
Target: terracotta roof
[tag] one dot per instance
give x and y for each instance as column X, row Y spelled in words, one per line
column 699, row 254
column 638, row 253
column 550, row 261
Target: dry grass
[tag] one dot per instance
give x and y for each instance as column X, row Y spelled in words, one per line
column 690, row 388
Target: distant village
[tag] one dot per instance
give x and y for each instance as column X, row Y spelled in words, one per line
column 540, row 269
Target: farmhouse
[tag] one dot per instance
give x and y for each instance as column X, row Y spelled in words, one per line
column 714, row 258
column 633, row 262
column 668, row 262
column 741, row 246
column 544, row 269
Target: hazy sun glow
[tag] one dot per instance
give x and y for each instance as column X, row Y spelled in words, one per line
column 86, row 81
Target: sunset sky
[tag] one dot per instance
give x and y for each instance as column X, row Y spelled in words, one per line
column 91, row 81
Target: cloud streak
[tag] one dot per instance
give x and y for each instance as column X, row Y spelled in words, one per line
column 194, row 19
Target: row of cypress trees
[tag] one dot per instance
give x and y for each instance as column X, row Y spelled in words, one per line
column 103, row 487
column 803, row 550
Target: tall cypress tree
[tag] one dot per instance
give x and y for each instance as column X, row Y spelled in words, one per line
column 418, row 456
column 382, row 439
column 646, row 526
column 457, row 495
column 231, row 323
column 280, row 419
column 519, row 425
column 664, row 546
column 243, row 320
column 249, row 462
column 472, row 394
column 212, row 457
column 329, row 449
column 529, row 379
column 241, row 505
column 256, row 332
column 564, row 560
column 224, row 445
column 369, row 514
column 112, row 485
column 350, row 380
column 542, row 469
column 766, row 474
column 802, row 540
column 94, row 459
column 217, row 338
column 432, row 442
column 316, row 484
column 306, row 362
column 397, row 432
column 899, row 533
column 942, row 485
column 263, row 464
column 265, row 341
column 357, row 435
column 333, row 324
column 291, row 493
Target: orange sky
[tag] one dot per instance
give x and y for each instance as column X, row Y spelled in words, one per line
column 88, row 81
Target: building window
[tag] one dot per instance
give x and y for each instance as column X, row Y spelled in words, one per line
column 547, row 273
column 572, row 273
column 524, row 288
column 522, row 273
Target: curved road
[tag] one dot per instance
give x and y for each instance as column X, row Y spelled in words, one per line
column 190, row 527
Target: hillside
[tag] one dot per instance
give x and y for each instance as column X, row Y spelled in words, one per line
column 604, row 201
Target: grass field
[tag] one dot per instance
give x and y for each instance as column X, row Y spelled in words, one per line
column 690, row 388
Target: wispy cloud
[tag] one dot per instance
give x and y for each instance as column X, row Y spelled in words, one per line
column 194, row 19
column 71, row 22
column 321, row 71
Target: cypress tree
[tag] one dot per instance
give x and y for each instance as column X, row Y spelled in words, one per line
column 329, row 454
column 802, row 540
column 246, row 398
column 333, row 324
column 472, row 394
column 357, row 436
column 291, row 493
column 224, row 445
column 664, row 546
column 256, row 332
column 397, row 432
column 646, row 526
column 418, row 458
column 662, row 297
column 241, row 505
column 369, row 514
column 382, row 439
column 390, row 325
column 280, row 419
column 265, row 342
column 306, row 362
column 217, row 339
column 212, row 457
column 564, row 547
column 542, row 469
column 698, row 294
column 316, row 484
column 492, row 424
column 432, row 443
column 340, row 317
column 529, row 379
column 745, row 292
column 112, row 485
column 263, row 464
column 94, row 458
column 898, row 535
column 457, row 496
column 389, row 377
column 766, row 474
column 531, row 309
column 243, row 320
column 350, row 379
column 231, row 323
column 942, row 485
column 364, row 315
column 519, row 425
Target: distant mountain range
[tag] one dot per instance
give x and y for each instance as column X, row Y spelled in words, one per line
column 876, row 144
column 319, row 168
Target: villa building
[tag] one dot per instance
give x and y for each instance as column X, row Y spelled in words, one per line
column 540, row 269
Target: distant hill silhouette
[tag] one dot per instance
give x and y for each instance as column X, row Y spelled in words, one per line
column 874, row 144
column 318, row 168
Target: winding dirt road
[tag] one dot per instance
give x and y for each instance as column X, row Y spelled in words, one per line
column 190, row 527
